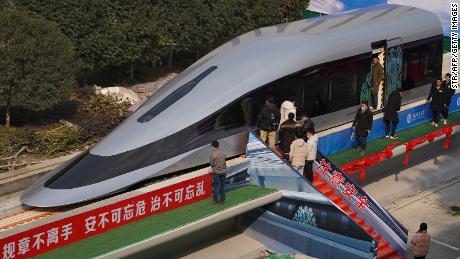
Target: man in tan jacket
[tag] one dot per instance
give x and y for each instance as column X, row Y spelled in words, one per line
column 420, row 243
column 377, row 77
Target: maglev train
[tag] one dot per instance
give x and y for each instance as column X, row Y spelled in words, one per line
column 322, row 62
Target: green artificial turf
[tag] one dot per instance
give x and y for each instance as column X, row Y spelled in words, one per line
column 380, row 144
column 154, row 225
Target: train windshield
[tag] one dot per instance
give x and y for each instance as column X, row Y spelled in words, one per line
column 175, row 96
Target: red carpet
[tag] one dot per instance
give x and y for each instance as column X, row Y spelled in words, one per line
column 384, row 250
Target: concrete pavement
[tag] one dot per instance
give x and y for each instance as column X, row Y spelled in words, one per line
column 435, row 207
column 427, row 168
column 428, row 191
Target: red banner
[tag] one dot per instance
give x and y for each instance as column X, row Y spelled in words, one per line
column 372, row 159
column 68, row 230
column 446, row 130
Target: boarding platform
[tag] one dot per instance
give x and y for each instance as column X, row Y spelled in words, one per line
column 404, row 136
column 414, row 131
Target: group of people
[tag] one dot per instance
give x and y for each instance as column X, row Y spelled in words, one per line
column 440, row 96
column 362, row 123
column 298, row 141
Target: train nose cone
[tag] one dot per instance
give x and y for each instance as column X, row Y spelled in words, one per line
column 46, row 193
column 40, row 196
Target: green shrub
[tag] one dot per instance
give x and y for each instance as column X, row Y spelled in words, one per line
column 58, row 140
column 104, row 112
column 11, row 140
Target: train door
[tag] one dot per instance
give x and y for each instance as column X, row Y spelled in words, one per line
column 393, row 66
column 379, row 50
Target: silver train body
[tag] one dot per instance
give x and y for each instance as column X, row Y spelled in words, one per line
column 219, row 96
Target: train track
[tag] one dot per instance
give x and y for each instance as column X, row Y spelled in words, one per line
column 22, row 218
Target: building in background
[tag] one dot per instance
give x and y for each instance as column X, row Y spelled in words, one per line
column 440, row 7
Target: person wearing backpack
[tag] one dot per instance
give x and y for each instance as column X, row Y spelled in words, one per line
column 268, row 121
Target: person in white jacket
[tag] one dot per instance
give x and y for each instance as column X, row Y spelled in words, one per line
column 312, row 148
column 287, row 107
column 298, row 153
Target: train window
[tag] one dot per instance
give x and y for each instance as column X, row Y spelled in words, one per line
column 334, row 86
column 346, row 80
column 316, row 93
column 342, row 91
column 175, row 96
column 422, row 62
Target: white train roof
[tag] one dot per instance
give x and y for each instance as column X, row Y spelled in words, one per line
column 264, row 55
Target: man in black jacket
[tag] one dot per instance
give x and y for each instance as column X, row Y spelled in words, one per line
column 268, row 121
column 390, row 116
column 288, row 131
column 437, row 98
column 362, row 126
column 448, row 93
column 307, row 123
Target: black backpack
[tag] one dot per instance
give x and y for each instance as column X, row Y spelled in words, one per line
column 273, row 120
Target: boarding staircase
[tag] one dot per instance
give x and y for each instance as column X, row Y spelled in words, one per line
column 384, row 251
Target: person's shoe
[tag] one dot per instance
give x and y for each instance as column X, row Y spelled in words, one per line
column 444, row 122
column 362, row 153
column 394, row 137
column 435, row 125
column 387, row 136
column 432, row 123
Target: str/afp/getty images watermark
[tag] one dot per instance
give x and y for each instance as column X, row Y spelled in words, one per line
column 454, row 44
